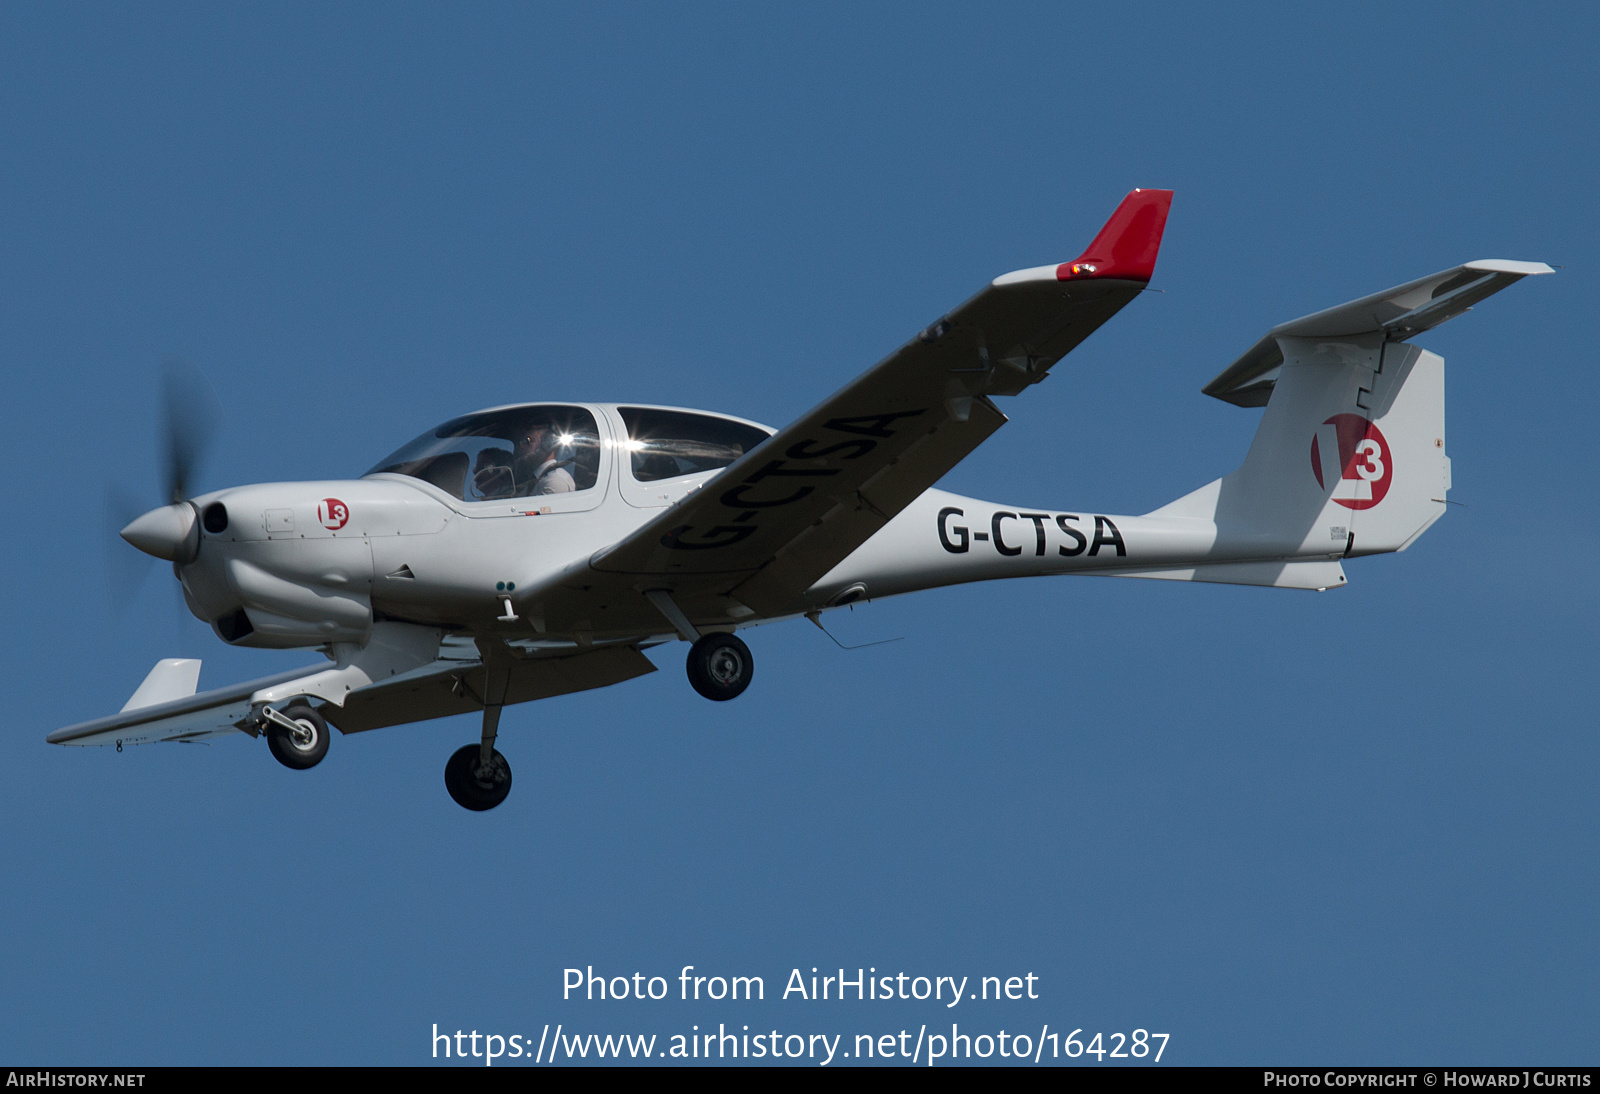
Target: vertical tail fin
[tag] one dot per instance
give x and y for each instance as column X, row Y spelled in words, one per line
column 1349, row 457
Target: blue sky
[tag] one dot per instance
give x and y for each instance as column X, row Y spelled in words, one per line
column 1282, row 827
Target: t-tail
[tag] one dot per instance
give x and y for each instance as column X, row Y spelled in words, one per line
column 1350, row 456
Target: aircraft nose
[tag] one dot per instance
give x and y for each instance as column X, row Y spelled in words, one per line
column 171, row 533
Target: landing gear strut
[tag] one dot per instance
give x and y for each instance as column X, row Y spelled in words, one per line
column 720, row 666
column 477, row 776
column 297, row 736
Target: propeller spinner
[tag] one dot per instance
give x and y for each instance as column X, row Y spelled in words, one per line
column 189, row 412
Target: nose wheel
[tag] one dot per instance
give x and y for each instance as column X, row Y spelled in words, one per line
column 720, row 666
column 474, row 784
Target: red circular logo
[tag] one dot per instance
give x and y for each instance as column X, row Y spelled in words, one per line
column 333, row 513
column 1349, row 454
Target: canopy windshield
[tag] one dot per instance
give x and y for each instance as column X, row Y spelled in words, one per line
column 521, row 452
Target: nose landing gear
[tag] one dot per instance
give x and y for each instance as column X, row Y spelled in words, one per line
column 473, row 784
column 720, row 666
column 477, row 776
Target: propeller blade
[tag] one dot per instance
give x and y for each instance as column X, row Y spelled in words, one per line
column 190, row 412
column 126, row 568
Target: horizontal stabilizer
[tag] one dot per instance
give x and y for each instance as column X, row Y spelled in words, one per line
column 1319, row 575
column 1397, row 313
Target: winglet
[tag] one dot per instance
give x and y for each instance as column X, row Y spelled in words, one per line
column 1126, row 247
column 172, row 678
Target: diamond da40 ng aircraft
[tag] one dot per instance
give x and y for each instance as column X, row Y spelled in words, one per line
column 536, row 549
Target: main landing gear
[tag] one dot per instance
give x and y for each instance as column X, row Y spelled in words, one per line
column 720, row 666
column 297, row 736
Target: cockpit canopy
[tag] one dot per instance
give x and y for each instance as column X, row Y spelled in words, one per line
column 519, row 452
column 526, row 451
column 665, row 444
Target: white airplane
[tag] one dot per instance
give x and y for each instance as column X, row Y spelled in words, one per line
column 536, row 549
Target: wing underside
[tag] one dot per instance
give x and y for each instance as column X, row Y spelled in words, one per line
column 191, row 718
column 455, row 686
column 453, row 683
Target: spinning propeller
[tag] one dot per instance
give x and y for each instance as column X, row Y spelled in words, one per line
column 189, row 413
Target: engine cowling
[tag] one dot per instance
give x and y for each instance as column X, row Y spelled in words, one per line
column 288, row 565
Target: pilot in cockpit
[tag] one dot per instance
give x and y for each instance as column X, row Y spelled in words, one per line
column 538, row 466
column 491, row 474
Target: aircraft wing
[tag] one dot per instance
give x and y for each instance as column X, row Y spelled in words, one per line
column 166, row 707
column 175, row 712
column 454, row 683
column 766, row 528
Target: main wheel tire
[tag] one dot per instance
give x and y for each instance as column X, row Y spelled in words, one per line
column 474, row 788
column 304, row 746
column 720, row 666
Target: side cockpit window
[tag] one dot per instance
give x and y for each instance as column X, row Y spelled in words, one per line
column 520, row 452
column 666, row 444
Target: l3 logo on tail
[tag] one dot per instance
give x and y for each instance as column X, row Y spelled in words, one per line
column 1351, row 452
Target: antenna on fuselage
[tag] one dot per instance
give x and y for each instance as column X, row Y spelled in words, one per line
column 816, row 617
